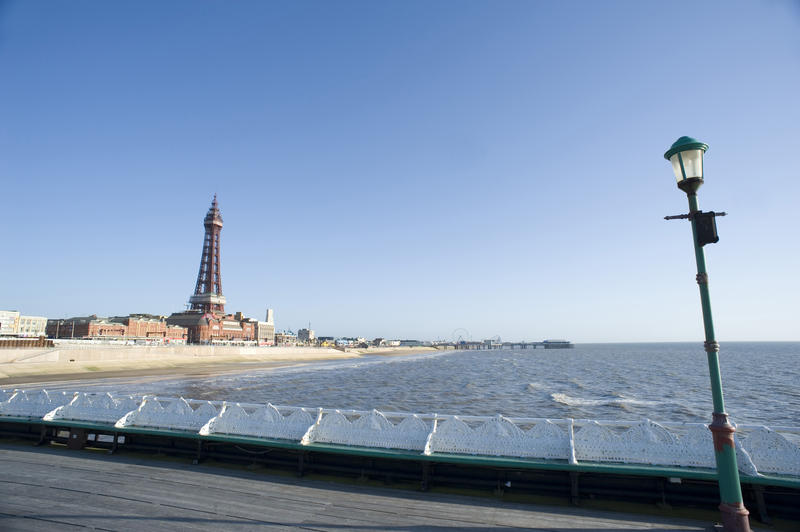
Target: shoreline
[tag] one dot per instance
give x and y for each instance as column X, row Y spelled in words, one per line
column 98, row 362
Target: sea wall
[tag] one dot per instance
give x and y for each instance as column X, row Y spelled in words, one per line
column 94, row 353
column 75, row 352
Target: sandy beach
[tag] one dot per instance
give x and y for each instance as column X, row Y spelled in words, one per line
column 21, row 366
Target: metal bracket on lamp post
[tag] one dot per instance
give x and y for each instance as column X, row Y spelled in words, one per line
column 704, row 224
column 691, row 215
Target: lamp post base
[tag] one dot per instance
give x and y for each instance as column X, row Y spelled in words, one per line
column 722, row 432
column 734, row 514
column 734, row 517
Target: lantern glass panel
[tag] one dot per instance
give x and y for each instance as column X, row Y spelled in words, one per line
column 692, row 164
column 676, row 167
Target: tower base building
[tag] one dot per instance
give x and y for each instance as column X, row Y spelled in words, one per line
column 209, row 328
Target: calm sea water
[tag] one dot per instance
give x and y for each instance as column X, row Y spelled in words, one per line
column 664, row 382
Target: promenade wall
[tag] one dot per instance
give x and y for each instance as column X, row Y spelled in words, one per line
column 94, row 353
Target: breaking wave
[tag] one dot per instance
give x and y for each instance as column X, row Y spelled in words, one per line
column 617, row 401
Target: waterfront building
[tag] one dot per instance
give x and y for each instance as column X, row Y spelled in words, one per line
column 14, row 324
column 146, row 327
column 149, row 326
column 85, row 327
column 410, row 343
column 285, row 338
column 326, row 341
column 388, row 343
column 207, row 328
column 9, row 322
column 265, row 330
column 32, row 326
column 306, row 336
column 265, row 333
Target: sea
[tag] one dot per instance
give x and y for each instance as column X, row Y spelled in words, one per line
column 664, row 382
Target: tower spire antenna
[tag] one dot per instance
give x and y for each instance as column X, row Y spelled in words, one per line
column 207, row 295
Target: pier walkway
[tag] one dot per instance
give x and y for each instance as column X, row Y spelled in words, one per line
column 50, row 488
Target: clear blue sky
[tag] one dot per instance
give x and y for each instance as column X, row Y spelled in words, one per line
column 403, row 169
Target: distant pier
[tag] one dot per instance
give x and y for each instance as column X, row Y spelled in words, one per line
column 490, row 344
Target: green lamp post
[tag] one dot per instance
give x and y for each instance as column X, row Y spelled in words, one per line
column 686, row 156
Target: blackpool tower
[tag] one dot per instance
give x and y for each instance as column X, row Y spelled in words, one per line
column 207, row 295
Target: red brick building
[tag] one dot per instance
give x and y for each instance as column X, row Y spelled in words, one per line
column 133, row 327
column 208, row 327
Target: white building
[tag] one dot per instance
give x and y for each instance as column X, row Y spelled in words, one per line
column 265, row 330
column 265, row 333
column 9, row 322
column 12, row 324
column 32, row 326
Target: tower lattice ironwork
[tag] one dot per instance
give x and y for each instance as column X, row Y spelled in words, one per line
column 208, row 290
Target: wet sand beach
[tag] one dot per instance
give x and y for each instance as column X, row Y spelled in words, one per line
column 106, row 362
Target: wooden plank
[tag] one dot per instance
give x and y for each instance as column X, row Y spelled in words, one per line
column 151, row 500
column 50, row 484
column 112, row 513
column 200, row 497
column 12, row 523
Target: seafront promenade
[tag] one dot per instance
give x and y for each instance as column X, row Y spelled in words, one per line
column 82, row 360
column 44, row 488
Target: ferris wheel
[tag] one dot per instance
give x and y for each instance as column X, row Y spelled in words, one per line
column 461, row 336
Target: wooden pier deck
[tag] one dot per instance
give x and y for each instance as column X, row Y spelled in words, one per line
column 47, row 488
